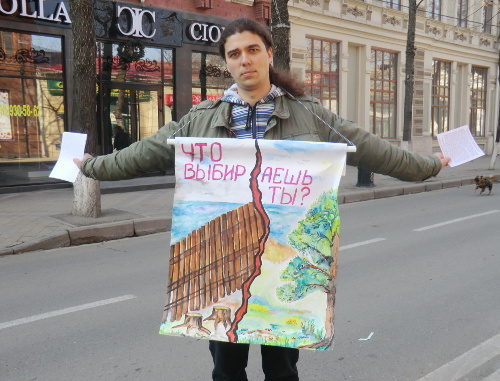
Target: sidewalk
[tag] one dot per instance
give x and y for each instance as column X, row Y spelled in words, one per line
column 41, row 220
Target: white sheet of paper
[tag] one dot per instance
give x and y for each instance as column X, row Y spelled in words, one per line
column 459, row 144
column 73, row 145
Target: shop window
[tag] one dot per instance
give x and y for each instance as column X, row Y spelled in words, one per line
column 130, row 61
column 31, row 104
column 322, row 72
column 478, row 101
column 136, row 95
column 383, row 93
column 434, row 9
column 440, row 109
column 210, row 77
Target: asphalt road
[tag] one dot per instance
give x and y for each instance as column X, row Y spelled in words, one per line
column 418, row 287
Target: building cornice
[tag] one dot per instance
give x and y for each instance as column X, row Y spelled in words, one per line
column 359, row 19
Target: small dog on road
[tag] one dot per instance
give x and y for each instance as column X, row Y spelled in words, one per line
column 483, row 183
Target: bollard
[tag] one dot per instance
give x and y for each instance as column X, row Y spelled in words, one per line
column 365, row 178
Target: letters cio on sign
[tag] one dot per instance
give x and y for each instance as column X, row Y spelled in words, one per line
column 204, row 32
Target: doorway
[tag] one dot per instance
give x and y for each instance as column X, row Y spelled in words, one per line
column 130, row 113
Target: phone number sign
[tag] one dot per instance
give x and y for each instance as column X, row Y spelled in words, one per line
column 19, row 110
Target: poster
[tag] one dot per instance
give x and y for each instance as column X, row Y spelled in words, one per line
column 254, row 243
column 5, row 126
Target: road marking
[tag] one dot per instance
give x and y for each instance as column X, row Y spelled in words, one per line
column 353, row 245
column 467, row 362
column 454, row 221
column 64, row 311
column 368, row 338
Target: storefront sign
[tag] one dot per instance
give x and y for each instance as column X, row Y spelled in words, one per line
column 204, row 32
column 195, row 98
column 136, row 17
column 44, row 10
column 56, row 87
column 142, row 95
column 155, row 26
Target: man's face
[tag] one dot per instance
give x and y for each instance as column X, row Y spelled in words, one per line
column 248, row 60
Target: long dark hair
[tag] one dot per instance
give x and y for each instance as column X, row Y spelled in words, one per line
column 283, row 79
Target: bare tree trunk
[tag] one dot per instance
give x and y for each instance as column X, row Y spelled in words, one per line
column 85, row 204
column 495, row 146
column 87, row 201
column 497, row 137
column 280, row 30
column 410, row 73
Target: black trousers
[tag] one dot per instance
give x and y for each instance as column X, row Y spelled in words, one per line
column 230, row 361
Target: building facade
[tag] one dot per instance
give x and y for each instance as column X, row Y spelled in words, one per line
column 352, row 56
column 153, row 63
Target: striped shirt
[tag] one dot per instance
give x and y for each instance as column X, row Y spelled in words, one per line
column 250, row 122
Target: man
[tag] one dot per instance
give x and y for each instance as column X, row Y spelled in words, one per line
column 265, row 104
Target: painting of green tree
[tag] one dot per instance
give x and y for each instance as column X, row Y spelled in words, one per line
column 314, row 269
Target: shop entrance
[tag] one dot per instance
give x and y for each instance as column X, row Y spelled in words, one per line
column 130, row 113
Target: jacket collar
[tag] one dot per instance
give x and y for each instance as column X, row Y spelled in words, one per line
column 281, row 107
column 222, row 114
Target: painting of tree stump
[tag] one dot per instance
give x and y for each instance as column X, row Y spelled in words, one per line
column 193, row 322
column 221, row 315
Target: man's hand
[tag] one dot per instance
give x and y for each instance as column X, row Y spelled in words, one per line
column 444, row 159
column 78, row 162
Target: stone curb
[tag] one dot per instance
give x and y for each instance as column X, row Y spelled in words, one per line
column 388, row 192
column 52, row 241
column 452, row 183
column 92, row 234
column 101, row 232
column 433, row 186
column 414, row 188
column 144, row 226
column 365, row 195
column 7, row 251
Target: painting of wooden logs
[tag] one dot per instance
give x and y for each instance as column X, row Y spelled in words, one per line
column 212, row 262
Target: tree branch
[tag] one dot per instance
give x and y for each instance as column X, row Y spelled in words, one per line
column 324, row 288
column 309, row 266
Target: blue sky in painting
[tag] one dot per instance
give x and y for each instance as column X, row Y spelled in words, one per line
column 188, row 216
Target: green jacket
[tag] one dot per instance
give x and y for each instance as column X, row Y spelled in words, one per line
column 289, row 121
